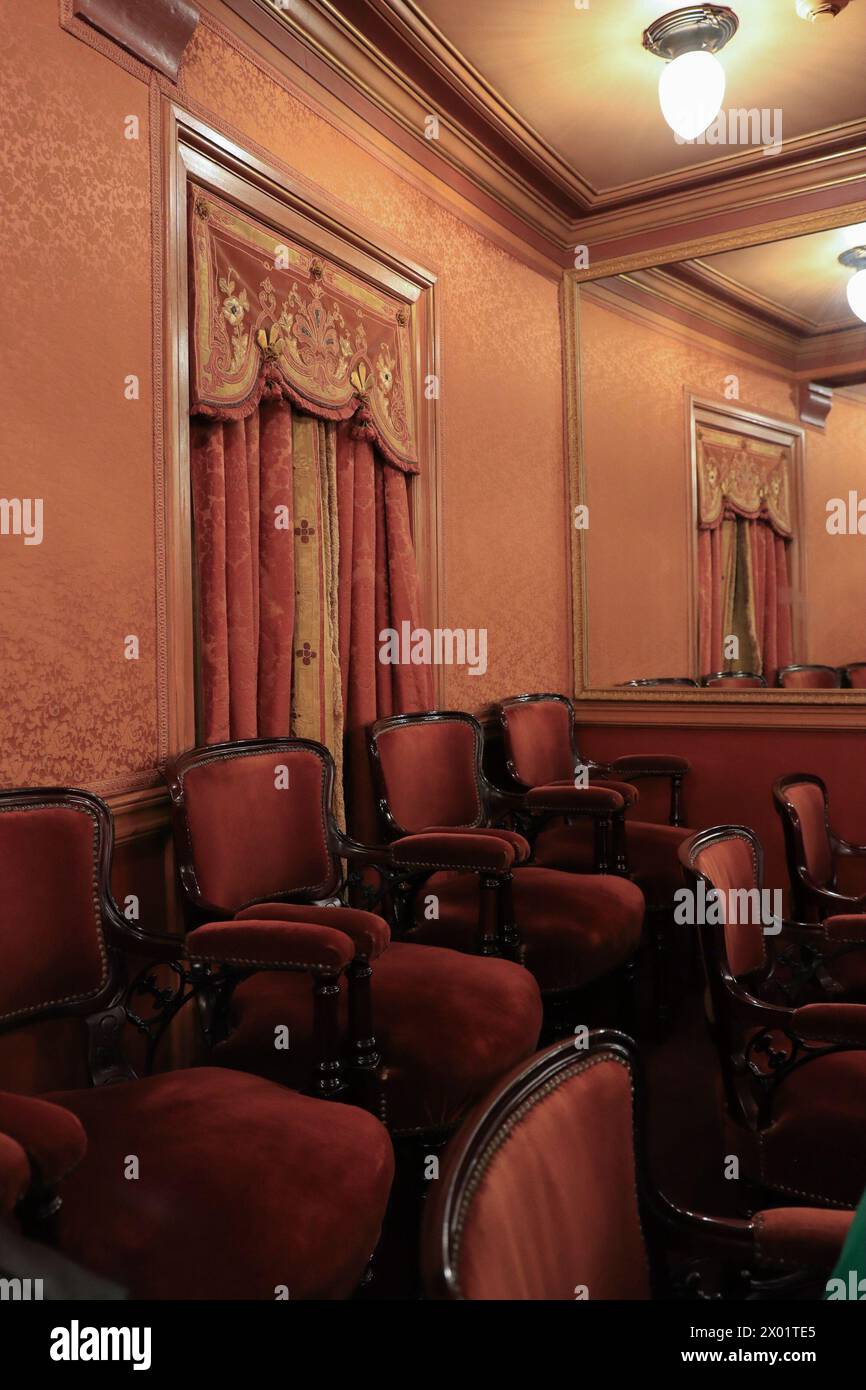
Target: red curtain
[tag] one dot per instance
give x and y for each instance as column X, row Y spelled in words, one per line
column 241, row 472
column 771, row 587
column 378, row 589
column 744, row 589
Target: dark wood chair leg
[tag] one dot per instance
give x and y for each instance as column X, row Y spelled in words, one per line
column 489, row 913
column 509, row 941
column 677, row 812
column 602, row 844
column 326, row 1036
column 364, row 1053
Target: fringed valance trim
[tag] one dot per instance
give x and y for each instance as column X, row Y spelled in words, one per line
column 270, row 384
column 270, row 318
column 739, row 475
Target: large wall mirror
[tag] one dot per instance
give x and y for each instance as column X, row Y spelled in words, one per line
column 719, row 473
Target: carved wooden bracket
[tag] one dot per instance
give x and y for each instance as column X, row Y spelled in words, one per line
column 815, row 402
column 154, row 31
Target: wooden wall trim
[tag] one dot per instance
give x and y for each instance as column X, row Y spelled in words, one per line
column 661, row 712
column 140, row 813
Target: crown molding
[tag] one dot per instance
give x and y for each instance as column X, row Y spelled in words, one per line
column 393, row 67
column 693, row 309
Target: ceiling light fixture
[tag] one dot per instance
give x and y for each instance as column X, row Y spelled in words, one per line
column 820, row 9
column 692, row 83
column 855, row 259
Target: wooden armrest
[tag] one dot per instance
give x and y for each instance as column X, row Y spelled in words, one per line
column 259, row 944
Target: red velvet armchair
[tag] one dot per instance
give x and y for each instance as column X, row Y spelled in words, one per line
column 853, row 675
column 812, row 850
column 738, row 680
column 540, row 745
column 418, row 1034
column 204, row 1183
column 801, row 676
column 569, row 931
column 545, row 1195
column 793, row 1073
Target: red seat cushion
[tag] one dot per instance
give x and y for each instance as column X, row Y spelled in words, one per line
column 652, row 854
column 14, row 1174
column 472, row 849
column 815, row 1147
column 447, row 1027
column 52, row 1138
column 573, row 928
column 298, row 1203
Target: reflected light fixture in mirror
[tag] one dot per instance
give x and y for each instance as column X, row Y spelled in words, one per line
column 692, row 83
column 855, row 259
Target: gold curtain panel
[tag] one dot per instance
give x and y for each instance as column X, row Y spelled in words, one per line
column 269, row 315
column 739, row 475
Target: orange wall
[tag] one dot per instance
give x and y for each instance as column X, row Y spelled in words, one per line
column 77, row 320
column 836, row 565
column 634, row 380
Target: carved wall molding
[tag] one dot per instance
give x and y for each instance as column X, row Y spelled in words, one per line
column 154, row 31
column 814, row 403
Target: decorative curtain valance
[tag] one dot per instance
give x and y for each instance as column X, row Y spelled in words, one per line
column 270, row 317
column 739, row 475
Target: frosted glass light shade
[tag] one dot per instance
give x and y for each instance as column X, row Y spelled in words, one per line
column 856, row 289
column 691, row 89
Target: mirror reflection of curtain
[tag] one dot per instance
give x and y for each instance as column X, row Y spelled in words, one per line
column 744, row 581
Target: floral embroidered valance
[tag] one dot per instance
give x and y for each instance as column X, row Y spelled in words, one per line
column 269, row 316
column 739, row 475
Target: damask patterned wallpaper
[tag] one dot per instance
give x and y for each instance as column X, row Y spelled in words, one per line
column 76, row 322
column 76, row 271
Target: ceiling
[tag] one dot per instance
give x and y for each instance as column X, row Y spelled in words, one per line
column 798, row 282
column 548, row 116
column 583, row 83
